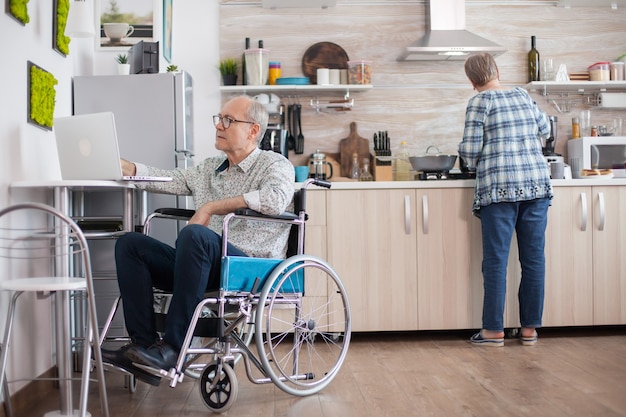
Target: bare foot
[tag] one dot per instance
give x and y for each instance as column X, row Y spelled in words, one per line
column 528, row 331
column 490, row 334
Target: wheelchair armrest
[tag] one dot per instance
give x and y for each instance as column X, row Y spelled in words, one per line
column 182, row 214
column 253, row 213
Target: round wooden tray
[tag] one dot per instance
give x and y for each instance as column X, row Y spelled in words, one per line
column 323, row 55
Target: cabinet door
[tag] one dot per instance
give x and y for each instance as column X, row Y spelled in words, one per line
column 609, row 255
column 372, row 246
column 569, row 278
column 449, row 257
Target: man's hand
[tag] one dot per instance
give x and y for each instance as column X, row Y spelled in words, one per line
column 128, row 168
column 223, row 207
column 202, row 216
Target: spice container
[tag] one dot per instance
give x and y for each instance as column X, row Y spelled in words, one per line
column 360, row 72
column 575, row 128
column 617, row 71
column 599, row 71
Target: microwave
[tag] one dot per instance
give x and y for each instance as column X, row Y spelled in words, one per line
column 601, row 152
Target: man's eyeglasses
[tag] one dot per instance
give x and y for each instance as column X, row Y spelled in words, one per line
column 226, row 121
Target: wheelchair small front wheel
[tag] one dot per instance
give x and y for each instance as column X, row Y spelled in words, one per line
column 302, row 328
column 218, row 387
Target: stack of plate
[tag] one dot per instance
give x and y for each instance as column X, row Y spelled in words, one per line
column 293, row 81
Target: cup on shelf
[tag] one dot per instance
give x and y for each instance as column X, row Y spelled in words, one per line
column 323, row 76
column 547, row 70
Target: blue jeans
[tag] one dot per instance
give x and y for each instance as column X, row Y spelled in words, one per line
column 498, row 221
column 188, row 271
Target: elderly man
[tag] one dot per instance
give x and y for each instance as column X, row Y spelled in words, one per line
column 246, row 177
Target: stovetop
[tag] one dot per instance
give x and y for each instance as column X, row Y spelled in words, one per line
column 444, row 176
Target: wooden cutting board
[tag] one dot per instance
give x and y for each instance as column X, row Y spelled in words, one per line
column 323, row 55
column 348, row 146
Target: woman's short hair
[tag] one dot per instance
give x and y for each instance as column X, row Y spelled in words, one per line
column 481, row 68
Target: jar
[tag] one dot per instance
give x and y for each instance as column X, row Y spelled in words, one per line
column 599, row 71
column 594, row 130
column 274, row 72
column 617, row 71
column 359, row 72
column 575, row 128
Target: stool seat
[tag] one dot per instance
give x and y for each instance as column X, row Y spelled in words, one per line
column 44, row 284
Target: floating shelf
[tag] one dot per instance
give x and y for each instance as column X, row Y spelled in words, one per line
column 295, row 89
column 548, row 87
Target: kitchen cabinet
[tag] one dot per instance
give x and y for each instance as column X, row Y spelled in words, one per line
column 449, row 258
column 609, row 255
column 372, row 245
column 569, row 259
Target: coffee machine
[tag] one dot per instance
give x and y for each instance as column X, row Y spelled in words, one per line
column 275, row 138
column 548, row 148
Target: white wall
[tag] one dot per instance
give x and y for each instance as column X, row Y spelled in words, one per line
column 29, row 152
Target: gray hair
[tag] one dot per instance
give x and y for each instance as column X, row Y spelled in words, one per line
column 258, row 114
column 481, row 68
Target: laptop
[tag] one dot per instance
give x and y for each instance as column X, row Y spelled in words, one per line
column 88, row 149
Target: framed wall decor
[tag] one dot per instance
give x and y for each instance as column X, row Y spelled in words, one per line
column 41, row 96
column 18, row 10
column 124, row 23
column 60, row 42
column 167, row 30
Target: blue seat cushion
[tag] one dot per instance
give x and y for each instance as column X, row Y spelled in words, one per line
column 239, row 273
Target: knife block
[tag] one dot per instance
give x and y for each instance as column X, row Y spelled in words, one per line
column 381, row 172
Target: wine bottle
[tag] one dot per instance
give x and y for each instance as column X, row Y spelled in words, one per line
column 244, row 75
column 533, row 61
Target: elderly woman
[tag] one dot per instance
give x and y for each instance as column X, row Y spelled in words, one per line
column 512, row 193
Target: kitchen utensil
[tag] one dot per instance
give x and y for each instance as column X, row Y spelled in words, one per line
column 433, row 163
column 352, row 144
column 320, row 168
column 323, row 55
column 291, row 140
column 300, row 138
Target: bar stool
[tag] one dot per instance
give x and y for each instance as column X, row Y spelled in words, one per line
column 47, row 254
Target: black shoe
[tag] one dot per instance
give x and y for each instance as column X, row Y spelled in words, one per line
column 118, row 358
column 159, row 356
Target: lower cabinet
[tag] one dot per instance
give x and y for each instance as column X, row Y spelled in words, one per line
column 372, row 246
column 411, row 258
column 609, row 254
column 449, row 257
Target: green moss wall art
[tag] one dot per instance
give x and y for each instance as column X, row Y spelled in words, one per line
column 18, row 10
column 60, row 42
column 41, row 96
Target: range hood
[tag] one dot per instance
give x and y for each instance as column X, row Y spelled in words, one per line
column 446, row 37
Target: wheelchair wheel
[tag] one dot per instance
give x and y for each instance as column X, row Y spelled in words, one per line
column 245, row 332
column 218, row 389
column 302, row 337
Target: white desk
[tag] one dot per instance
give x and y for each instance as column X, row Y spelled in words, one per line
column 62, row 199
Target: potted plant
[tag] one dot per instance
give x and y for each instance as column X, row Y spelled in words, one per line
column 172, row 68
column 228, row 69
column 123, row 67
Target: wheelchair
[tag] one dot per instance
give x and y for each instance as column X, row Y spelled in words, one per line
column 293, row 312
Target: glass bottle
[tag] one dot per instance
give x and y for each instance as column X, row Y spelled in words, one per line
column 354, row 170
column 533, row 61
column 365, row 172
column 575, row 128
column 403, row 164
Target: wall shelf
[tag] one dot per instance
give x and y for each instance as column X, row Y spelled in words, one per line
column 295, row 89
column 581, row 87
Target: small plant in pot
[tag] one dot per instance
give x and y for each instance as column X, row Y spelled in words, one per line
column 228, row 69
column 123, row 67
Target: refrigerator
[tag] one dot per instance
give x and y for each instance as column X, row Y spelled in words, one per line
column 154, row 122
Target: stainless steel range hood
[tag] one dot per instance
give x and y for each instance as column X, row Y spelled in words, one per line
column 446, row 37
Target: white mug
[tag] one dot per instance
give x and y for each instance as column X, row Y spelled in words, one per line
column 323, row 76
column 116, row 31
column 334, row 77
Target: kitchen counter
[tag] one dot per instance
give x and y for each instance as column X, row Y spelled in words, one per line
column 393, row 185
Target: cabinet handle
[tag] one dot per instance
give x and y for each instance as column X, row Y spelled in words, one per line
column 583, row 206
column 602, row 211
column 407, row 215
column 425, row 214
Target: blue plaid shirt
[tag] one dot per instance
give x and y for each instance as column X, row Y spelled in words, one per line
column 501, row 140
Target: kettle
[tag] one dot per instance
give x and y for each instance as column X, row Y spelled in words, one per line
column 318, row 166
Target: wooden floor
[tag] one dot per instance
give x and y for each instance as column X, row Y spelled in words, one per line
column 570, row 372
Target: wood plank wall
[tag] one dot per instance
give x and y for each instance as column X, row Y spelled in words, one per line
column 422, row 103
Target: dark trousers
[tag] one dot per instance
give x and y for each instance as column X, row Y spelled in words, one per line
column 188, row 271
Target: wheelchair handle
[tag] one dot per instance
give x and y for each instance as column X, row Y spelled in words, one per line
column 315, row 181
